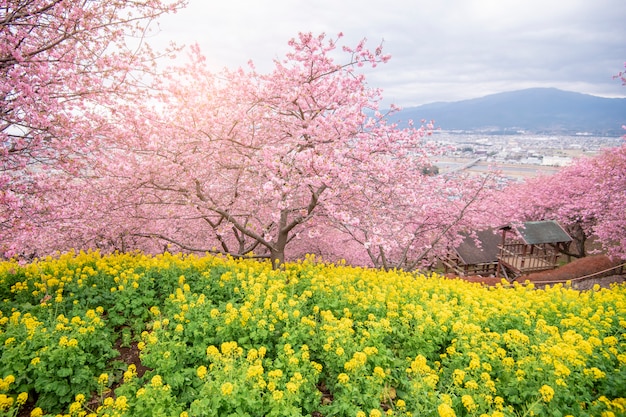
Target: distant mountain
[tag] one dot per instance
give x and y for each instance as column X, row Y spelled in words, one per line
column 536, row 110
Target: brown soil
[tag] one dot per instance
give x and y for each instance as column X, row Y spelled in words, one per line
column 575, row 269
column 130, row 355
column 572, row 271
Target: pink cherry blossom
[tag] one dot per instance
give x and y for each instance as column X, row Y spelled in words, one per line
column 64, row 67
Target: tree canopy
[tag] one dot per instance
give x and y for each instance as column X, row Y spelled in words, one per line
column 246, row 164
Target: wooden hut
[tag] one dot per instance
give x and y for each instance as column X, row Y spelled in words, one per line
column 476, row 255
column 530, row 247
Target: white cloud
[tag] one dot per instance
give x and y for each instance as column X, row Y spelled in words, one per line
column 441, row 51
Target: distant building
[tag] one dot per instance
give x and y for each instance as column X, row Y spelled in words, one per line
column 532, row 161
column 556, row 161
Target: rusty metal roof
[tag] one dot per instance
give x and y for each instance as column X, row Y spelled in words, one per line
column 545, row 231
column 471, row 254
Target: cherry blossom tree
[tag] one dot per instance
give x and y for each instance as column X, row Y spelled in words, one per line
column 247, row 164
column 64, row 67
column 243, row 163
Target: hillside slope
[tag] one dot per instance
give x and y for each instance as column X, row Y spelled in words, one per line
column 537, row 110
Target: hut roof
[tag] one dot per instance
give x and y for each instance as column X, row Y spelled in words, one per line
column 471, row 254
column 545, row 231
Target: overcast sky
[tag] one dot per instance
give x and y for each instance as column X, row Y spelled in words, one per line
column 444, row 50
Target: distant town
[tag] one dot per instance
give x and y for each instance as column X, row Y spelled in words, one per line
column 518, row 156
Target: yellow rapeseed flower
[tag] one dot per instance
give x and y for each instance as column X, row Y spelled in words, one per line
column 229, row 348
column 156, row 381
column 6, row 382
column 212, row 351
column 252, row 356
column 201, row 371
column 5, row 402
column 276, row 373
column 369, row 351
column 291, row 387
column 445, row 410
column 75, row 407
column 472, row 384
column 277, row 395
column 121, row 403
column 468, row 403
column 22, row 397
column 595, row 373
column 458, row 376
column 254, row 371
column 36, row 412
column 130, row 373
column 227, row 388
column 103, row 379
column 547, row 393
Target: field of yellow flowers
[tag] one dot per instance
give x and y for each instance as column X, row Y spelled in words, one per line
column 223, row 337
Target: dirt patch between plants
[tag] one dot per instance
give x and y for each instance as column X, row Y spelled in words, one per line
column 130, row 355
